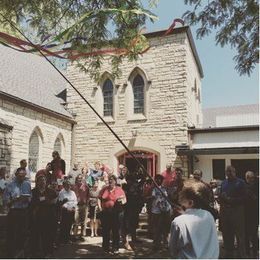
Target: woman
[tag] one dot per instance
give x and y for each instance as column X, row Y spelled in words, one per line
column 111, row 198
column 68, row 201
column 93, row 209
column 42, row 209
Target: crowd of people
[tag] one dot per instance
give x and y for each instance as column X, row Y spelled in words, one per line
column 182, row 211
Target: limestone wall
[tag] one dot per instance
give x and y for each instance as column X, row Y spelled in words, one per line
column 167, row 105
column 5, row 147
column 25, row 121
column 193, row 91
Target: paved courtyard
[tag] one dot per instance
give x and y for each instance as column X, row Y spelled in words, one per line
column 91, row 248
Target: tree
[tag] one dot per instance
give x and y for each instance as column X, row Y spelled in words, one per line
column 237, row 24
column 88, row 26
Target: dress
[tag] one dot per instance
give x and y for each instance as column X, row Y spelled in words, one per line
column 93, row 203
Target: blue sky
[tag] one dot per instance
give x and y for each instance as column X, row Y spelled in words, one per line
column 221, row 85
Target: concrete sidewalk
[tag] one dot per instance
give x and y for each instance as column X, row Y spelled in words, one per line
column 92, row 248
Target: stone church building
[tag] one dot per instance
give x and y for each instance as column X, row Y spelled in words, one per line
column 150, row 106
column 33, row 118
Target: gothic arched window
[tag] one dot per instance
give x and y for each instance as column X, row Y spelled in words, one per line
column 57, row 146
column 108, row 98
column 138, row 90
column 34, row 146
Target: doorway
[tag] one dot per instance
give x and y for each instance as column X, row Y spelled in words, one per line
column 147, row 159
column 244, row 165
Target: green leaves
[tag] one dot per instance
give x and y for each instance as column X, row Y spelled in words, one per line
column 90, row 26
column 236, row 23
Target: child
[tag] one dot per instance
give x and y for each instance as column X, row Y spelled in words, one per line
column 193, row 234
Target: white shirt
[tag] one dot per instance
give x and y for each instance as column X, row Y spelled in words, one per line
column 194, row 235
column 74, row 173
column 71, row 196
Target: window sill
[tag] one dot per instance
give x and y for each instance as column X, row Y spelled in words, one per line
column 108, row 119
column 137, row 117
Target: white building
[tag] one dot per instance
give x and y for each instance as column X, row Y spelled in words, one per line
column 230, row 136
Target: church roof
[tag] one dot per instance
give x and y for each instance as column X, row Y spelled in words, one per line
column 31, row 79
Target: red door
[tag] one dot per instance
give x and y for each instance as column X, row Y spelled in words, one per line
column 147, row 159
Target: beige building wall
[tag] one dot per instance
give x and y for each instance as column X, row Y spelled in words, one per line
column 204, row 162
column 5, row 145
column 193, row 90
column 168, row 79
column 24, row 122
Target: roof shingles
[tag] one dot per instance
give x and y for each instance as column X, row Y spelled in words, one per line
column 30, row 78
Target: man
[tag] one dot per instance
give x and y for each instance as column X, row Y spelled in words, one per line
column 232, row 196
column 68, row 201
column 193, row 234
column 23, row 164
column 133, row 206
column 169, row 176
column 17, row 196
column 123, row 171
column 82, row 193
column 46, row 173
column 58, row 165
column 197, row 176
column 3, row 184
column 252, row 214
column 73, row 173
column 121, row 182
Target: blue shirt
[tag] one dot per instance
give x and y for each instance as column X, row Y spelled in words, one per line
column 95, row 174
column 15, row 189
column 193, row 235
column 234, row 190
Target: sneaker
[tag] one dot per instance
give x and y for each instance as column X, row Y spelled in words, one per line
column 128, row 247
column 115, row 251
column 82, row 239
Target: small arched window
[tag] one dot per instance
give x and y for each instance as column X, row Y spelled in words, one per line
column 108, row 98
column 34, row 146
column 138, row 90
column 57, row 146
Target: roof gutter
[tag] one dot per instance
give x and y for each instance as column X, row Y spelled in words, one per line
column 223, row 129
